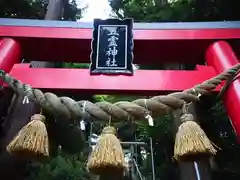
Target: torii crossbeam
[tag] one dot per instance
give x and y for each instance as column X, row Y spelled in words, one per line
column 154, row 43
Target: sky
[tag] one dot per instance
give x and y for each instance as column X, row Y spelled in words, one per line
column 96, row 9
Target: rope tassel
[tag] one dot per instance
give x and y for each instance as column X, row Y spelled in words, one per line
column 107, row 155
column 191, row 140
column 31, row 140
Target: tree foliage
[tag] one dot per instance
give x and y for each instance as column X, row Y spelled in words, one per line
column 35, row 9
column 61, row 167
column 30, row 9
column 178, row 10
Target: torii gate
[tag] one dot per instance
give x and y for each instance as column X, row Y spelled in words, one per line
column 210, row 44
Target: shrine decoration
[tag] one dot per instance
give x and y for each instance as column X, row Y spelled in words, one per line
column 191, row 139
column 107, row 154
column 158, row 105
column 31, row 141
column 155, row 44
column 112, row 47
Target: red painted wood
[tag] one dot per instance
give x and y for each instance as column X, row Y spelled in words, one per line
column 221, row 56
column 10, row 54
column 77, row 33
column 146, row 82
column 150, row 46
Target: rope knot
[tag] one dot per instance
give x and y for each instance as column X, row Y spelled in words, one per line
column 38, row 117
column 186, row 117
column 109, row 130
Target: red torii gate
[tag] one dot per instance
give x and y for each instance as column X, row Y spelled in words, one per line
column 155, row 43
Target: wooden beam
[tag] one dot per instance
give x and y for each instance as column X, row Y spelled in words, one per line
column 221, row 56
column 145, row 82
column 154, row 43
column 40, row 29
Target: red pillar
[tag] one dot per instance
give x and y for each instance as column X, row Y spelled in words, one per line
column 221, row 56
column 10, row 53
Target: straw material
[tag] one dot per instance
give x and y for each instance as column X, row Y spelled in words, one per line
column 191, row 141
column 32, row 140
column 107, row 154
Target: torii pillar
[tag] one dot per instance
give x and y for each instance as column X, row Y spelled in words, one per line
column 221, row 57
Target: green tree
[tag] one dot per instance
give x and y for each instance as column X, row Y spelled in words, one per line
column 61, row 167
column 179, row 10
column 36, row 9
column 30, row 9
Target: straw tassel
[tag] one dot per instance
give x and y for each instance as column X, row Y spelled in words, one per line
column 191, row 141
column 107, row 155
column 32, row 140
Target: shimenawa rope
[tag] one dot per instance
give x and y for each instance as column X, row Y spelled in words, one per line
column 137, row 109
column 158, row 105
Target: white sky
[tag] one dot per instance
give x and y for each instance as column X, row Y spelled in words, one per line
column 96, row 9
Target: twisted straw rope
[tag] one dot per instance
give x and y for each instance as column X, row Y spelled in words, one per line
column 138, row 109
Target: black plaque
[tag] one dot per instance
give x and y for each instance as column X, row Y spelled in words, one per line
column 112, row 47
